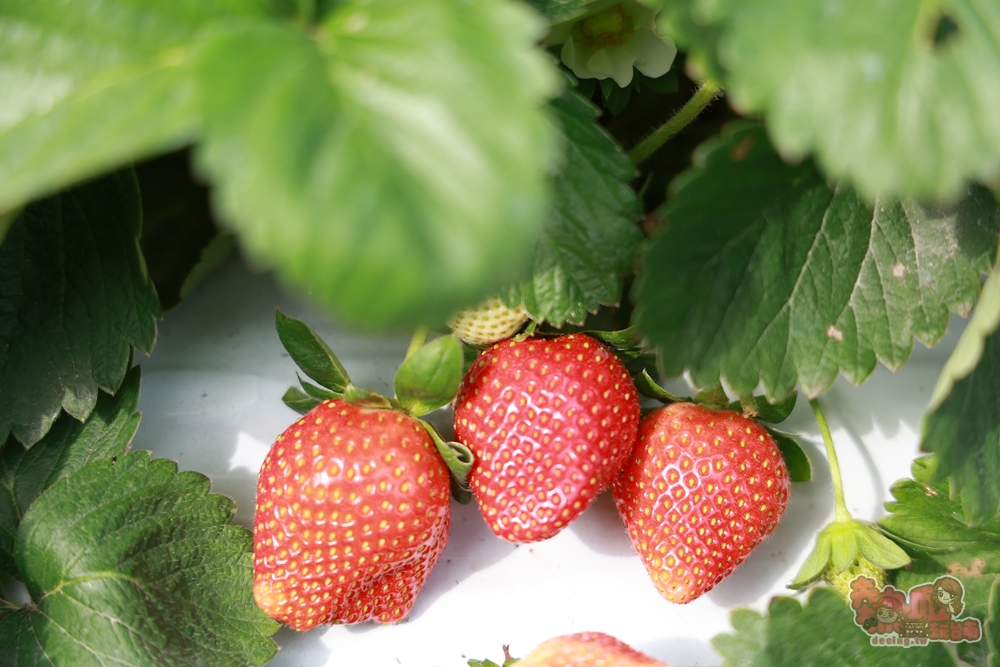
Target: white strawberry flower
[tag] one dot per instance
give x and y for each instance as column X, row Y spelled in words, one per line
column 614, row 37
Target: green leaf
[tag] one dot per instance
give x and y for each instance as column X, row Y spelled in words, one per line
column 682, row 21
column 796, row 459
column 557, row 11
column 773, row 413
column 67, row 447
column 626, row 339
column 362, row 398
column 127, row 559
column 429, row 378
column 591, row 237
column 766, row 275
column 962, row 425
column 991, row 629
column 867, row 88
column 394, row 162
column 821, row 633
column 74, row 298
column 89, row 85
column 299, row 401
column 311, row 353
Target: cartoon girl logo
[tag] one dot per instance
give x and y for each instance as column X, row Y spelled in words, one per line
column 947, row 593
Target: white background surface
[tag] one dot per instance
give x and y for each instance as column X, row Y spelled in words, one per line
column 211, row 400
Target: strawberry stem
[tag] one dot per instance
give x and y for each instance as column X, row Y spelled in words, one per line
column 417, row 341
column 701, row 99
column 842, row 514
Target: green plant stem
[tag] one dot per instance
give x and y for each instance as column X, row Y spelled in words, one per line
column 701, row 99
column 417, row 341
column 838, row 484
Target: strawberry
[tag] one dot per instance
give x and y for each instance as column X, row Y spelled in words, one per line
column 701, row 490
column 488, row 323
column 587, row 649
column 549, row 422
column 352, row 513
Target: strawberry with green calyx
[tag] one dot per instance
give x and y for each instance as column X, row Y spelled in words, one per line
column 700, row 491
column 550, row 422
column 488, row 323
column 847, row 547
column 353, row 505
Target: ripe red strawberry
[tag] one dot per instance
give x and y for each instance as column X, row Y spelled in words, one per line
column 550, row 423
column 353, row 510
column 587, row 649
column 700, row 491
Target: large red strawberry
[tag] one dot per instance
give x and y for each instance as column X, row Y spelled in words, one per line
column 550, row 422
column 353, row 510
column 701, row 490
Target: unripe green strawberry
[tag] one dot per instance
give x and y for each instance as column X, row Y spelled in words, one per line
column 488, row 323
column 841, row 581
column 352, row 513
column 550, row 422
column 587, row 649
column 701, row 490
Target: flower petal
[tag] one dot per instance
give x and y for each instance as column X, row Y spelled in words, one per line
column 613, row 61
column 653, row 55
column 575, row 57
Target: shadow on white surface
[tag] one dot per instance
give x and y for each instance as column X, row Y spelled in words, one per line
column 600, row 528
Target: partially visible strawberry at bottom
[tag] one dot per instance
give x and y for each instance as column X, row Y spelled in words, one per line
column 587, row 649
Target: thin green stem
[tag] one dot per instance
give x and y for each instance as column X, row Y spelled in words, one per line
column 838, row 484
column 701, row 99
column 418, row 340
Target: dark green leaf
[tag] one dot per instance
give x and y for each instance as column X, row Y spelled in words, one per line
column 626, row 339
column 991, row 629
column 311, row 353
column 821, row 633
column 429, row 378
column 91, row 84
column 773, row 413
column 664, row 84
column 393, row 162
column 557, row 11
column 591, row 237
column 767, row 276
column 615, row 98
column 796, row 459
column 459, row 460
column 867, row 88
column 299, row 401
column 74, row 298
column 318, row 392
column 67, row 447
column 128, row 559
column 962, row 425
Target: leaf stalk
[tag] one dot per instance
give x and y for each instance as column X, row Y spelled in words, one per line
column 842, row 514
column 687, row 113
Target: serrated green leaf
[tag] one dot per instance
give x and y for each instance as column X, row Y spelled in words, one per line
column 591, row 236
column 821, row 633
column 867, row 88
column 74, row 298
column 67, row 447
column 393, row 163
column 796, row 460
column 767, row 276
column 300, row 401
column 429, row 378
column 962, row 425
column 89, row 85
column 311, row 353
column 930, row 523
column 128, row 559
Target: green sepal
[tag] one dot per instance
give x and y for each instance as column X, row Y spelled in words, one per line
column 839, row 546
column 713, row 398
column 362, row 398
column 648, row 387
column 299, row 401
column 796, row 460
column 626, row 339
column 483, row 663
column 429, row 378
column 459, row 460
column 310, row 353
column 319, row 392
column 772, row 413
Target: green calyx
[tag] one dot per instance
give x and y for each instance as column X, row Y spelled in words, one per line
column 847, row 547
column 428, row 379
